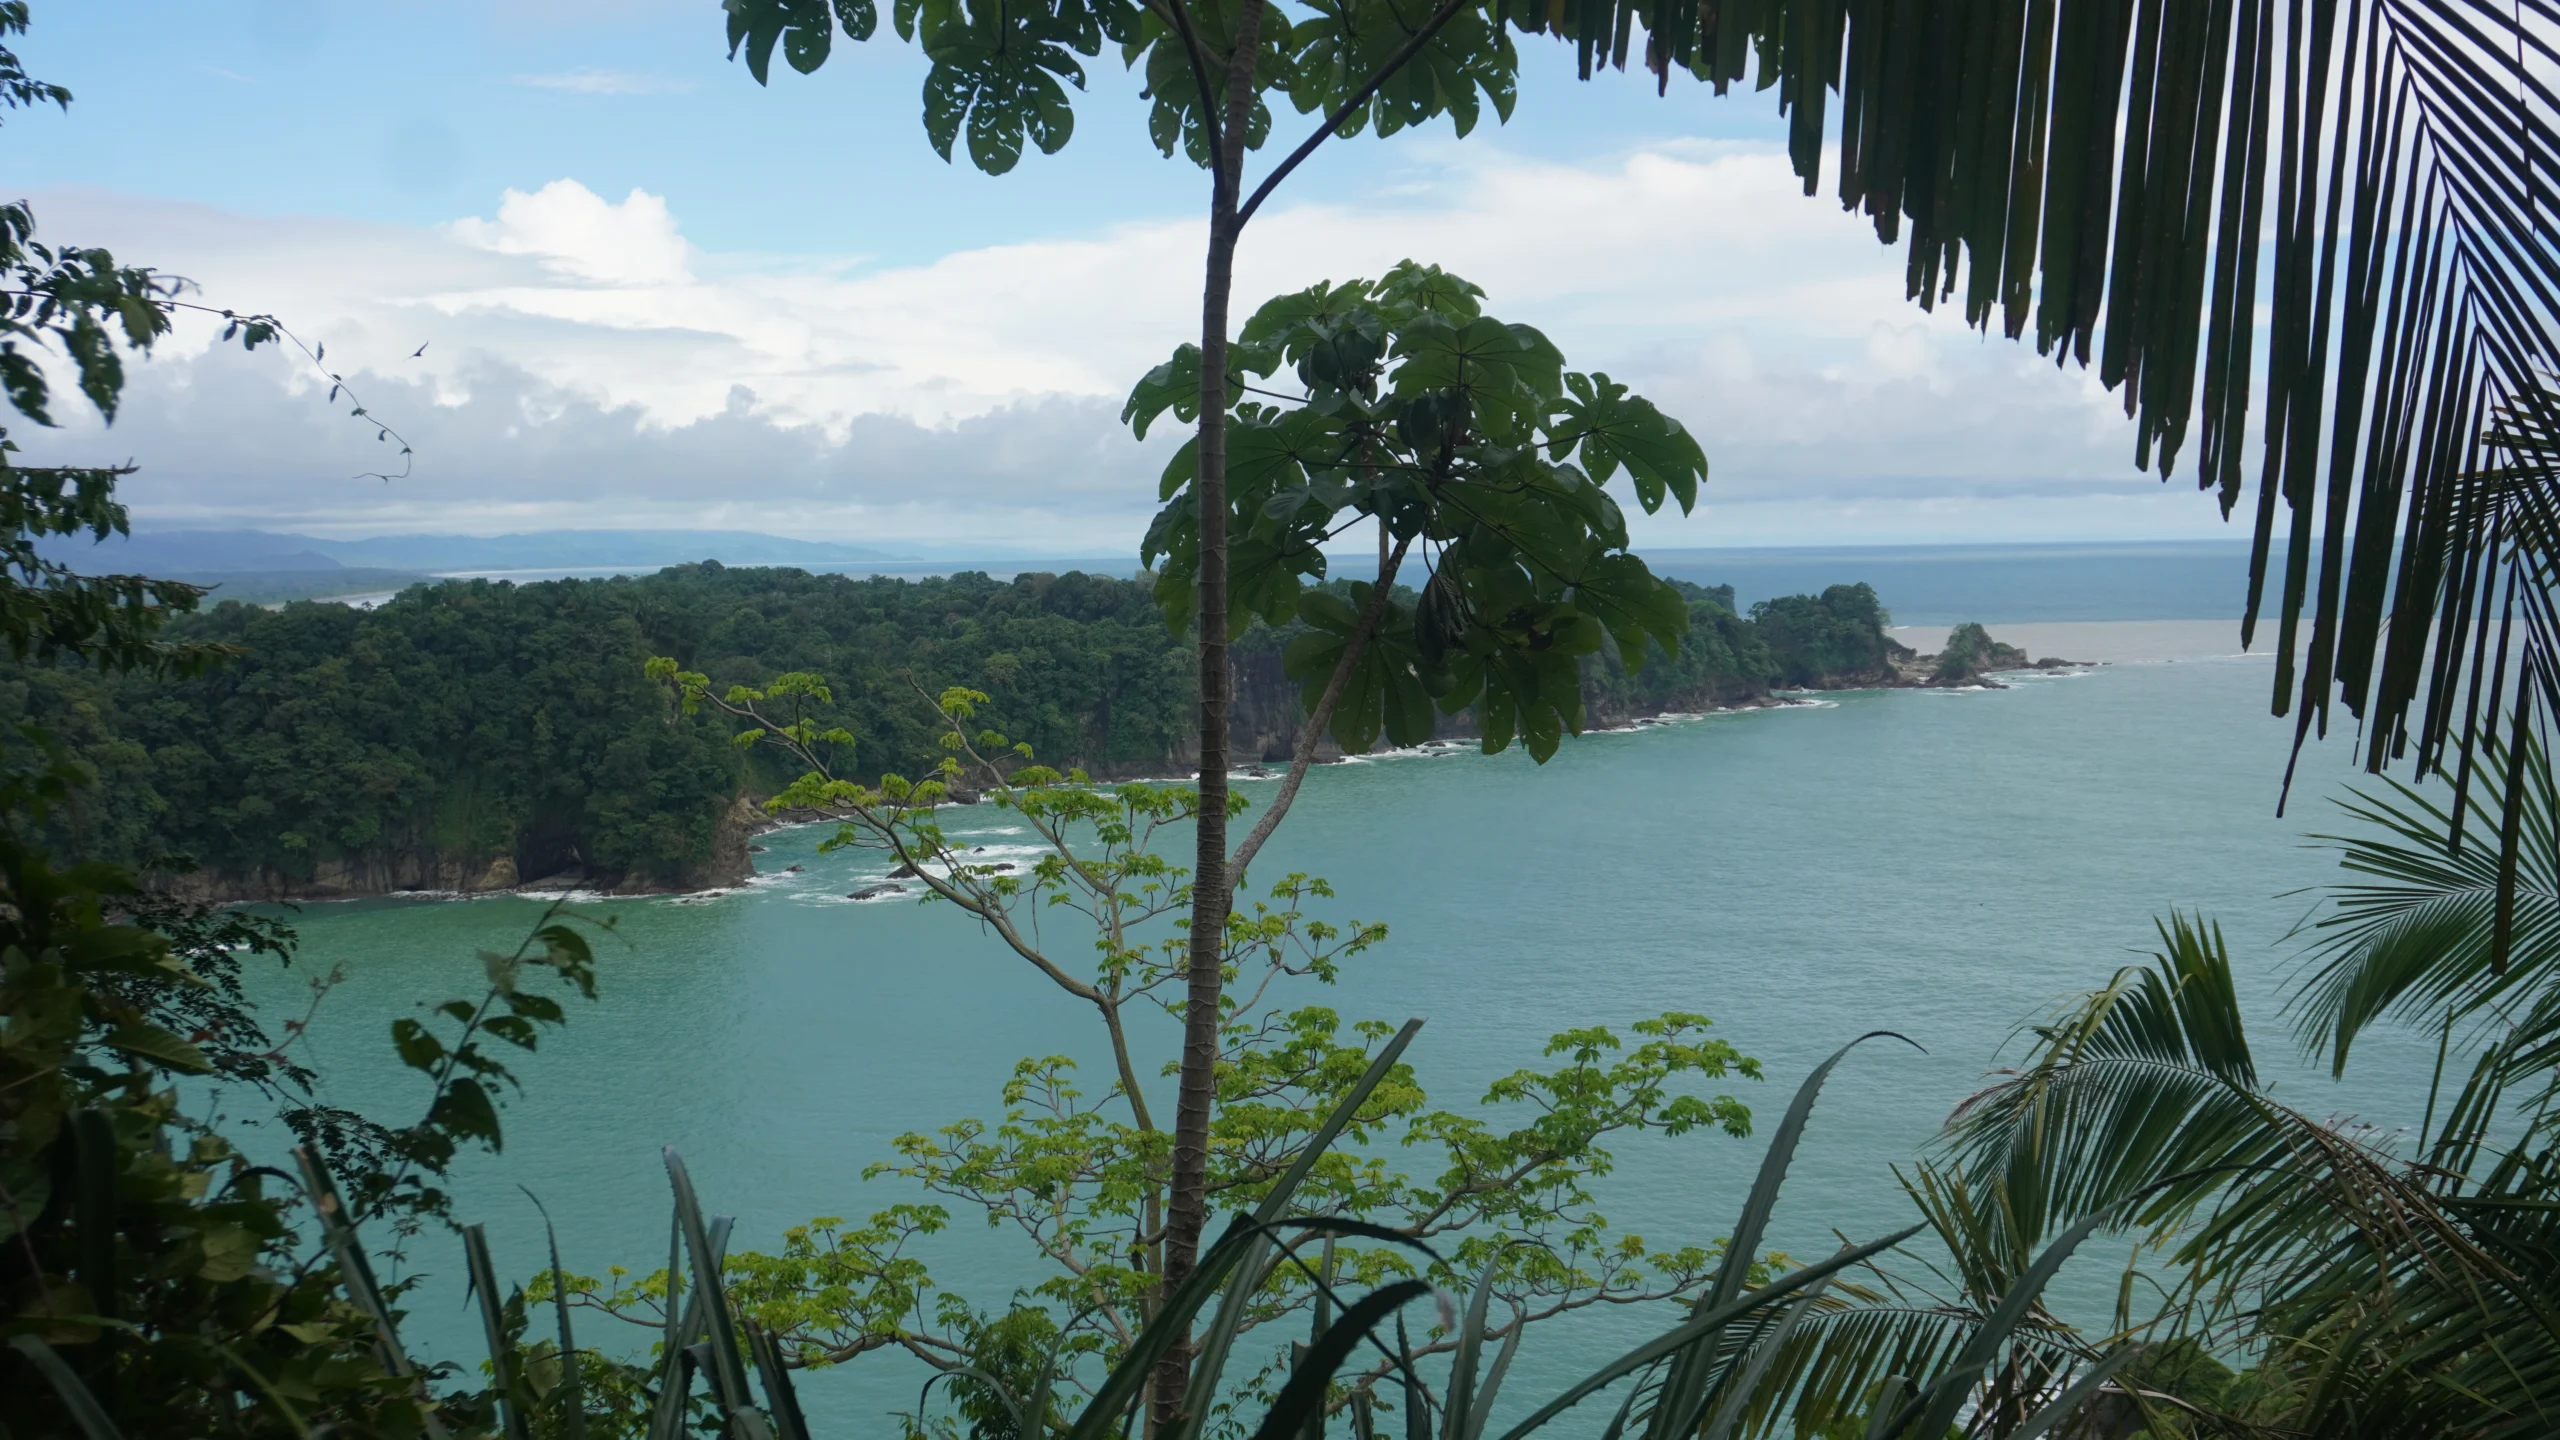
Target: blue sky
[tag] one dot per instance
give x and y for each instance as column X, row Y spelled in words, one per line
column 658, row 295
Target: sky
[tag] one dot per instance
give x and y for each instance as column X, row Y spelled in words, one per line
column 652, row 294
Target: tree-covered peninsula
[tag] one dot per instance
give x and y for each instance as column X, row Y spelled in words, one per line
column 475, row 734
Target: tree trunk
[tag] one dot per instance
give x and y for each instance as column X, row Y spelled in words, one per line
column 1187, row 1200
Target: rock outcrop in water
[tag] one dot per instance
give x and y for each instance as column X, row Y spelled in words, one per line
column 1970, row 661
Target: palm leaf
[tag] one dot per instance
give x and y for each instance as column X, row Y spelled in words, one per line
column 2139, row 179
column 1841, row 1354
column 2385, row 1288
column 2416, row 939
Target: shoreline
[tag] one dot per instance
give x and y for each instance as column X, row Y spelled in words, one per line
column 2088, row 643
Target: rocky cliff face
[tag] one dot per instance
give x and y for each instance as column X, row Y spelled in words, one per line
column 1970, row 659
column 423, row 869
column 1266, row 724
column 1267, row 720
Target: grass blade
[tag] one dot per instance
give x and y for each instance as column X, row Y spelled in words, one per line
column 728, row 1371
column 1684, row 1389
column 1462, row 1367
column 1704, row 1326
column 1417, row 1401
column 1888, row 1404
column 789, row 1422
column 1122, row 1386
column 1248, row 1275
column 355, row 1275
column 493, row 1322
column 1737, row 1391
column 1021, row 1418
column 1994, row 1331
column 84, row 1407
column 1773, row 1171
column 675, row 1383
column 1493, row 1378
column 570, row 1399
column 1303, row 1397
column 1334, row 1124
column 1626, row 1409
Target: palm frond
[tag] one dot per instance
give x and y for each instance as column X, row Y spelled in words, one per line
column 2416, row 939
column 1833, row 1365
column 2334, row 217
column 2380, row 1285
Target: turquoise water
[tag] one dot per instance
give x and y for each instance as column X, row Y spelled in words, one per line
column 1940, row 863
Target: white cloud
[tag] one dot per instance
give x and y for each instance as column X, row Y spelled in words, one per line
column 606, row 82
column 590, row 366
column 579, row 236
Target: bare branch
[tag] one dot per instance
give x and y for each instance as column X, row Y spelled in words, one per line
column 1322, row 715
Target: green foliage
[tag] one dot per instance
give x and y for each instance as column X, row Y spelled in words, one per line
column 1839, row 633
column 463, row 722
column 1006, row 74
column 1722, row 659
column 1456, row 435
column 2388, row 1284
column 1082, row 1173
column 142, row 1247
column 77, row 308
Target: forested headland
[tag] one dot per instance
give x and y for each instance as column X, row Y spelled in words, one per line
column 479, row 734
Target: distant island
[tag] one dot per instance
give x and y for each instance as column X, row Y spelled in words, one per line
column 476, row 735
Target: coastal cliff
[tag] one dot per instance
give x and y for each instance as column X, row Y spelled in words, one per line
column 479, row 736
column 424, row 868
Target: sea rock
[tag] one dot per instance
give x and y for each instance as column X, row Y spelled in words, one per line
column 730, row 864
column 501, row 875
column 873, row 892
column 792, row 869
column 905, row 872
column 755, row 849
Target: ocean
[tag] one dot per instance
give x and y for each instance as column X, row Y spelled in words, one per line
column 1943, row 864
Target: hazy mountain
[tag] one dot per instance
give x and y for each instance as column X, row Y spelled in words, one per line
column 198, row 551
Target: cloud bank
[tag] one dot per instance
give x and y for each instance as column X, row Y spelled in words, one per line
column 586, row 364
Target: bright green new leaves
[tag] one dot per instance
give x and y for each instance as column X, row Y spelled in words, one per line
column 1458, row 434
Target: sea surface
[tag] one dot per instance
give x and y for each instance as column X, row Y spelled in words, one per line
column 1944, row 864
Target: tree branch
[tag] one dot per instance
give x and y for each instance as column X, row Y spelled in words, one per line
column 1448, row 11
column 1322, row 715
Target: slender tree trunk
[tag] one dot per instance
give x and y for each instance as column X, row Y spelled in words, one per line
column 1187, row 1200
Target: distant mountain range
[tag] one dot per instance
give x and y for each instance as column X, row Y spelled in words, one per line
column 1922, row 584
column 264, row 551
